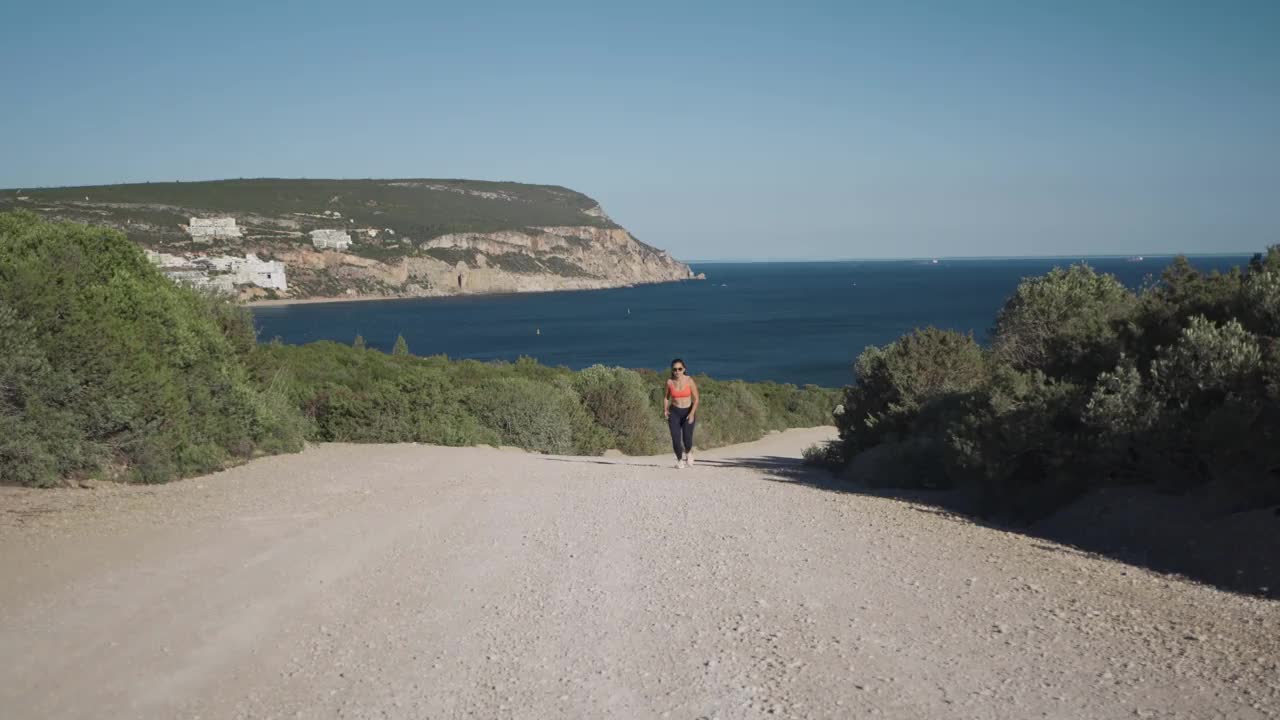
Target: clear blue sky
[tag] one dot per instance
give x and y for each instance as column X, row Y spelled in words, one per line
column 714, row 129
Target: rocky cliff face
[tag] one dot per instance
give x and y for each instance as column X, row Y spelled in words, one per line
column 375, row 238
column 537, row 260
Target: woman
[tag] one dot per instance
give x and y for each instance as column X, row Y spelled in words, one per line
column 679, row 406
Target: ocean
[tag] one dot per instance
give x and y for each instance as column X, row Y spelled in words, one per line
column 792, row 322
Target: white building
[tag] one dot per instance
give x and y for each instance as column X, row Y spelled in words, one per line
column 247, row 270
column 223, row 272
column 210, row 229
column 330, row 239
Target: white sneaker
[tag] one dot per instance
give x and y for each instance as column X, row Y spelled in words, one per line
column 680, row 464
column 689, row 460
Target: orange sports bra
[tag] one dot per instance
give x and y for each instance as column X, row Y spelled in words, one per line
column 671, row 388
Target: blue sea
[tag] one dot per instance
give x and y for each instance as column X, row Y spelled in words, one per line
column 802, row 322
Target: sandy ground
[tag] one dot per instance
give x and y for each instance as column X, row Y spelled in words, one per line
column 422, row 582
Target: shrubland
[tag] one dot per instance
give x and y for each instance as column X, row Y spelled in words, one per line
column 354, row 394
column 110, row 370
column 1084, row 384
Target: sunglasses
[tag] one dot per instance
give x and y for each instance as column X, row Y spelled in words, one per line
column 678, row 369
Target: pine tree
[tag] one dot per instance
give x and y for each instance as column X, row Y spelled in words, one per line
column 401, row 348
column 359, row 342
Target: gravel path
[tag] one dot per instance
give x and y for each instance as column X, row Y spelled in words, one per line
column 409, row 581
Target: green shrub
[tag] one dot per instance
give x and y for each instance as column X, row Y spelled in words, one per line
column 1085, row 385
column 826, row 455
column 790, row 406
column 353, row 395
column 41, row 439
column 1208, row 363
column 401, row 347
column 895, row 381
column 153, row 372
column 1067, row 324
column 527, row 414
column 1016, row 445
column 1261, row 301
column 1121, row 405
column 617, row 400
column 277, row 424
column 589, row 436
column 1167, row 308
column 1211, row 385
column 728, row 413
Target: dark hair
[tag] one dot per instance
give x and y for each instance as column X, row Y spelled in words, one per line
column 682, row 362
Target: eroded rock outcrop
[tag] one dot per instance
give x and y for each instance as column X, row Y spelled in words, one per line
column 536, row 260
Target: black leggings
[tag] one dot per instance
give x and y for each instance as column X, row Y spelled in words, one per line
column 681, row 430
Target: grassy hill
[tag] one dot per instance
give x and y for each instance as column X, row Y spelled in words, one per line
column 152, row 213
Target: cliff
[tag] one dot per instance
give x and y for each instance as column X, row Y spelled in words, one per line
column 372, row 238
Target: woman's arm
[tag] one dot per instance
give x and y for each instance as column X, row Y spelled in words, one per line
column 693, row 410
column 666, row 401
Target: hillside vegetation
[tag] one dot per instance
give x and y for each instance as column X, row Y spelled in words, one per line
column 1084, row 384
column 108, row 369
column 416, row 208
column 353, row 394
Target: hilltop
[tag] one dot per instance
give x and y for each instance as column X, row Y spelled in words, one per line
column 344, row 238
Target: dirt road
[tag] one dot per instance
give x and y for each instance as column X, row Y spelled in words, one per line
column 422, row 582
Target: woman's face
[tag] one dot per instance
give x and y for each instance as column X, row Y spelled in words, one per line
column 677, row 369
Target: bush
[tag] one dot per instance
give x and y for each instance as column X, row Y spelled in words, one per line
column 826, row 455
column 355, row 395
column 527, row 414
column 40, row 436
column 151, row 373
column 728, row 413
column 1016, row 445
column 894, row 382
column 617, row 400
column 1211, row 386
column 1261, row 300
column 1067, row 324
column 1085, row 385
column 1167, row 308
column 789, row 406
column 401, row 347
column 1208, row 363
column 1121, row 406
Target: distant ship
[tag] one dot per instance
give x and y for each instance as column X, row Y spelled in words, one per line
column 1136, row 258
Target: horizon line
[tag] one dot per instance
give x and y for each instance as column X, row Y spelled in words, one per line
column 927, row 258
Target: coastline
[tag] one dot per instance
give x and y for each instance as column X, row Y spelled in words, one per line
column 281, row 302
